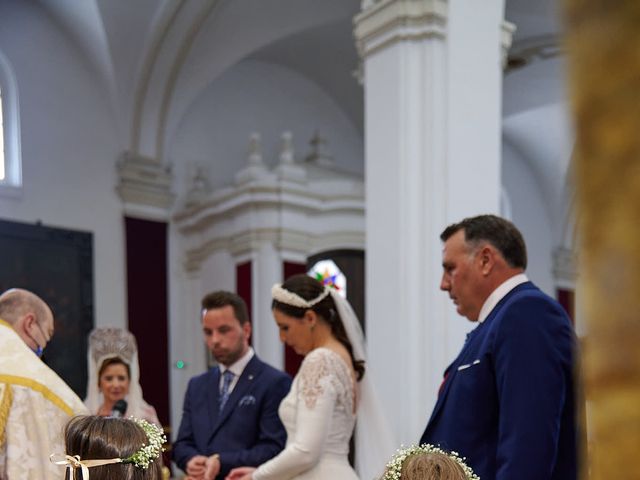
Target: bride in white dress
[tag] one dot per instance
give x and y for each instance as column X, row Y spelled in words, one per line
column 319, row 413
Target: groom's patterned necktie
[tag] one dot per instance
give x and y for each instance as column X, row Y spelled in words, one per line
column 227, row 377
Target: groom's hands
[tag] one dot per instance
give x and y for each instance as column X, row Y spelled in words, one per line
column 196, row 467
column 212, row 467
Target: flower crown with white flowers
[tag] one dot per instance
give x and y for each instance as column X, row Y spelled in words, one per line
column 394, row 467
column 283, row 295
column 142, row 458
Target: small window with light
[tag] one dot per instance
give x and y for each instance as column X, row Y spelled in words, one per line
column 10, row 155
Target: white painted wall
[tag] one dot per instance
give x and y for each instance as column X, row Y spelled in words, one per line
column 539, row 83
column 474, row 96
column 69, row 147
column 530, row 215
column 257, row 96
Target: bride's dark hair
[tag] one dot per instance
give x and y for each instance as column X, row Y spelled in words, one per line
column 309, row 288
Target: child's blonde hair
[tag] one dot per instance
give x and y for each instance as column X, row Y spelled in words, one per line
column 431, row 466
column 427, row 462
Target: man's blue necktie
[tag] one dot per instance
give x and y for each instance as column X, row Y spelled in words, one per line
column 227, row 377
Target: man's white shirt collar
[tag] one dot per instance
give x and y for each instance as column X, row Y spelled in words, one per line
column 238, row 367
column 499, row 293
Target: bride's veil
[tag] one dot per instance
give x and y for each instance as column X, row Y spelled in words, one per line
column 374, row 439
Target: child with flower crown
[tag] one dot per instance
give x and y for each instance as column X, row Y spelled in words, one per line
column 105, row 448
column 426, row 462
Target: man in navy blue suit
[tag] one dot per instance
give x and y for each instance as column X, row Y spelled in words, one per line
column 507, row 402
column 230, row 413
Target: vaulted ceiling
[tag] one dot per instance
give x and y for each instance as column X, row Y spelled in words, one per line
column 155, row 58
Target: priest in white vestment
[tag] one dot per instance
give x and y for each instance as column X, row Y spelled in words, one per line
column 35, row 403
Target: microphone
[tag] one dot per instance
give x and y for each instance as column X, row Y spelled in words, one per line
column 119, row 408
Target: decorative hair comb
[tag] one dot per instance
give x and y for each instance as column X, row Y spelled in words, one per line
column 112, row 342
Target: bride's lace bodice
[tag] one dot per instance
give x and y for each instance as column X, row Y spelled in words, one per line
column 318, row 414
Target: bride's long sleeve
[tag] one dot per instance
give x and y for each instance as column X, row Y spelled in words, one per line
column 315, row 401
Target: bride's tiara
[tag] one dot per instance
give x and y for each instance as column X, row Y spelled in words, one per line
column 283, row 295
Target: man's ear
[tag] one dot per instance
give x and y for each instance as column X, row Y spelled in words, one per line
column 246, row 328
column 487, row 259
column 28, row 320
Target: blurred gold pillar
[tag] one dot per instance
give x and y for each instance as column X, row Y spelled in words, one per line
column 603, row 45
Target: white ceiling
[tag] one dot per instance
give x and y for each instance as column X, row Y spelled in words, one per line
column 156, row 56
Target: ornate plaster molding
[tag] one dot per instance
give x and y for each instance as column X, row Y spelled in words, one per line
column 526, row 51
column 565, row 267
column 507, row 29
column 255, row 169
column 384, row 23
column 144, row 185
column 293, row 242
column 299, row 208
column 269, row 194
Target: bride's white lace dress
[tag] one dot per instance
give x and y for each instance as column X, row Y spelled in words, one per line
column 318, row 414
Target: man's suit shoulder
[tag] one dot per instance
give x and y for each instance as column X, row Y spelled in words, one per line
column 527, row 306
column 528, row 295
column 199, row 381
column 256, row 365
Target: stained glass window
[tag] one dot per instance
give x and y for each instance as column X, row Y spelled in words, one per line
column 327, row 272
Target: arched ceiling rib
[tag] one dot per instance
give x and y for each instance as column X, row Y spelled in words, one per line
column 84, row 24
column 219, row 45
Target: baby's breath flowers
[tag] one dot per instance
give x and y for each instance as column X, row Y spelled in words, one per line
column 394, row 467
column 149, row 451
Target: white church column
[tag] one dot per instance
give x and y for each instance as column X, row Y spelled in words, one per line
column 432, row 157
column 475, row 36
column 266, row 270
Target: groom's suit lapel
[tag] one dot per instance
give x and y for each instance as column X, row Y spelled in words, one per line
column 245, row 382
column 472, row 337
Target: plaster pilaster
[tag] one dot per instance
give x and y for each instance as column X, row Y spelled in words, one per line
column 144, row 185
column 432, row 156
column 266, row 270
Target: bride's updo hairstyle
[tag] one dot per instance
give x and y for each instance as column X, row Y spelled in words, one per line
column 309, row 289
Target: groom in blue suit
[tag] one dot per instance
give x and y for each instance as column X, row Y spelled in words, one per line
column 507, row 403
column 230, row 413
